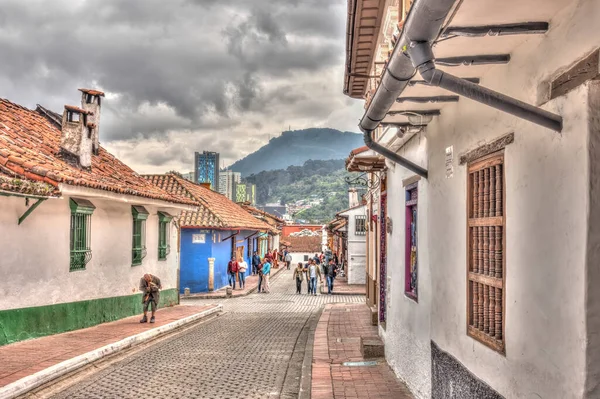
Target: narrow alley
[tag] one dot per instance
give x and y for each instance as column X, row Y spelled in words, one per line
column 255, row 349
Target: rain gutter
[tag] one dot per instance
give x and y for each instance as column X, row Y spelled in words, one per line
column 423, row 26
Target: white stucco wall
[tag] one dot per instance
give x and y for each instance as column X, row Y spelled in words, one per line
column 546, row 202
column 407, row 332
column 357, row 248
column 547, row 184
column 35, row 261
column 299, row 257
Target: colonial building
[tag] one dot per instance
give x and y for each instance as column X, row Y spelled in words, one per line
column 211, row 235
column 302, row 248
column 79, row 228
column 266, row 241
column 481, row 125
column 355, row 229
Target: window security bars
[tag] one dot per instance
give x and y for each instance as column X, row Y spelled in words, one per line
column 485, row 252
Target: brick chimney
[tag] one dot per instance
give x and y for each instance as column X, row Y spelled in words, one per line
column 76, row 138
column 352, row 197
column 90, row 101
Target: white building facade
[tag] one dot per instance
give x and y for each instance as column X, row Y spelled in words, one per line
column 80, row 238
column 486, row 266
column 356, row 239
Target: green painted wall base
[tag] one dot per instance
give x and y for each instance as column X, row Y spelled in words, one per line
column 25, row 323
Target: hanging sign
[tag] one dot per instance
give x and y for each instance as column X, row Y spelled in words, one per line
column 449, row 162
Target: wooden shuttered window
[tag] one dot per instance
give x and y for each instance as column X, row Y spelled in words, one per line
column 485, row 251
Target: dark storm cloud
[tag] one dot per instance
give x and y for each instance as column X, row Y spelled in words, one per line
column 176, row 68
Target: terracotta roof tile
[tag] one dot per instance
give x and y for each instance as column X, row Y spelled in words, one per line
column 26, row 184
column 359, row 150
column 92, row 92
column 77, row 109
column 30, row 146
column 272, row 220
column 304, row 244
column 214, row 209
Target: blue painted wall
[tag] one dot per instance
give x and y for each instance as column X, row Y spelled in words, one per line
column 194, row 262
column 194, row 258
column 222, row 255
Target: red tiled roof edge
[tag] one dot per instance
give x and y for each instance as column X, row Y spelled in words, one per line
column 30, row 148
column 250, row 208
column 208, row 199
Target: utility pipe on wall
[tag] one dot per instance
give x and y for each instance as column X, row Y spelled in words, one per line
column 422, row 57
column 422, row 27
column 423, row 23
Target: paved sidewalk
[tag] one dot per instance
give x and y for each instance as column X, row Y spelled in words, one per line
column 337, row 340
column 251, row 286
column 25, row 358
column 341, row 287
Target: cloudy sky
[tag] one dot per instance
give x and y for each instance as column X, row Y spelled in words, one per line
column 181, row 75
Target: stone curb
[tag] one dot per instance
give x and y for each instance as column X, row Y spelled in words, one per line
column 33, row 381
column 224, row 295
column 324, row 291
column 306, row 378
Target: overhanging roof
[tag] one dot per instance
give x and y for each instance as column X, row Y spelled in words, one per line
column 478, row 28
column 362, row 27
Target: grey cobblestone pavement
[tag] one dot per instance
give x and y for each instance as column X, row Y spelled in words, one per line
column 255, row 350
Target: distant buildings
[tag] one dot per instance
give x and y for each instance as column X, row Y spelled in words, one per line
column 246, row 193
column 206, row 168
column 228, row 183
column 188, row 176
column 274, row 209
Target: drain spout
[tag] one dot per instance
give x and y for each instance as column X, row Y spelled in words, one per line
column 392, row 156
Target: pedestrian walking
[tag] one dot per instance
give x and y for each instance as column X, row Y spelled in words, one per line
column 242, row 267
column 306, row 267
column 266, row 270
column 275, row 263
column 299, row 274
column 150, row 286
column 232, row 269
column 331, row 273
column 260, row 276
column 313, row 273
column 288, row 259
column 255, row 263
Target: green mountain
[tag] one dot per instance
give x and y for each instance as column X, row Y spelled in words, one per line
column 319, row 186
column 295, row 147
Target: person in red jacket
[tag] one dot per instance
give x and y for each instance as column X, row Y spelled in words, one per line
column 232, row 269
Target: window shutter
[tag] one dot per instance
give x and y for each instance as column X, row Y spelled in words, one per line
column 485, row 251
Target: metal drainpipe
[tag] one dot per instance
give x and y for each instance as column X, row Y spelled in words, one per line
column 423, row 23
column 392, row 156
column 422, row 58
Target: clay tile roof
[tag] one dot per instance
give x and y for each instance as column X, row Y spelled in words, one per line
column 77, row 109
column 304, row 244
column 92, row 92
column 17, row 184
column 214, row 209
column 272, row 220
column 30, row 148
column 359, row 150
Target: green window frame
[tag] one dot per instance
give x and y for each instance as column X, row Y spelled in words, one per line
column 138, row 252
column 164, row 235
column 80, row 233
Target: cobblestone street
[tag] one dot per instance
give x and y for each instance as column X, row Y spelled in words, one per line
column 254, row 350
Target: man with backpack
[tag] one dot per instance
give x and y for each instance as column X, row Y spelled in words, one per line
column 232, row 270
column 255, row 262
column 331, row 273
column 288, row 259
